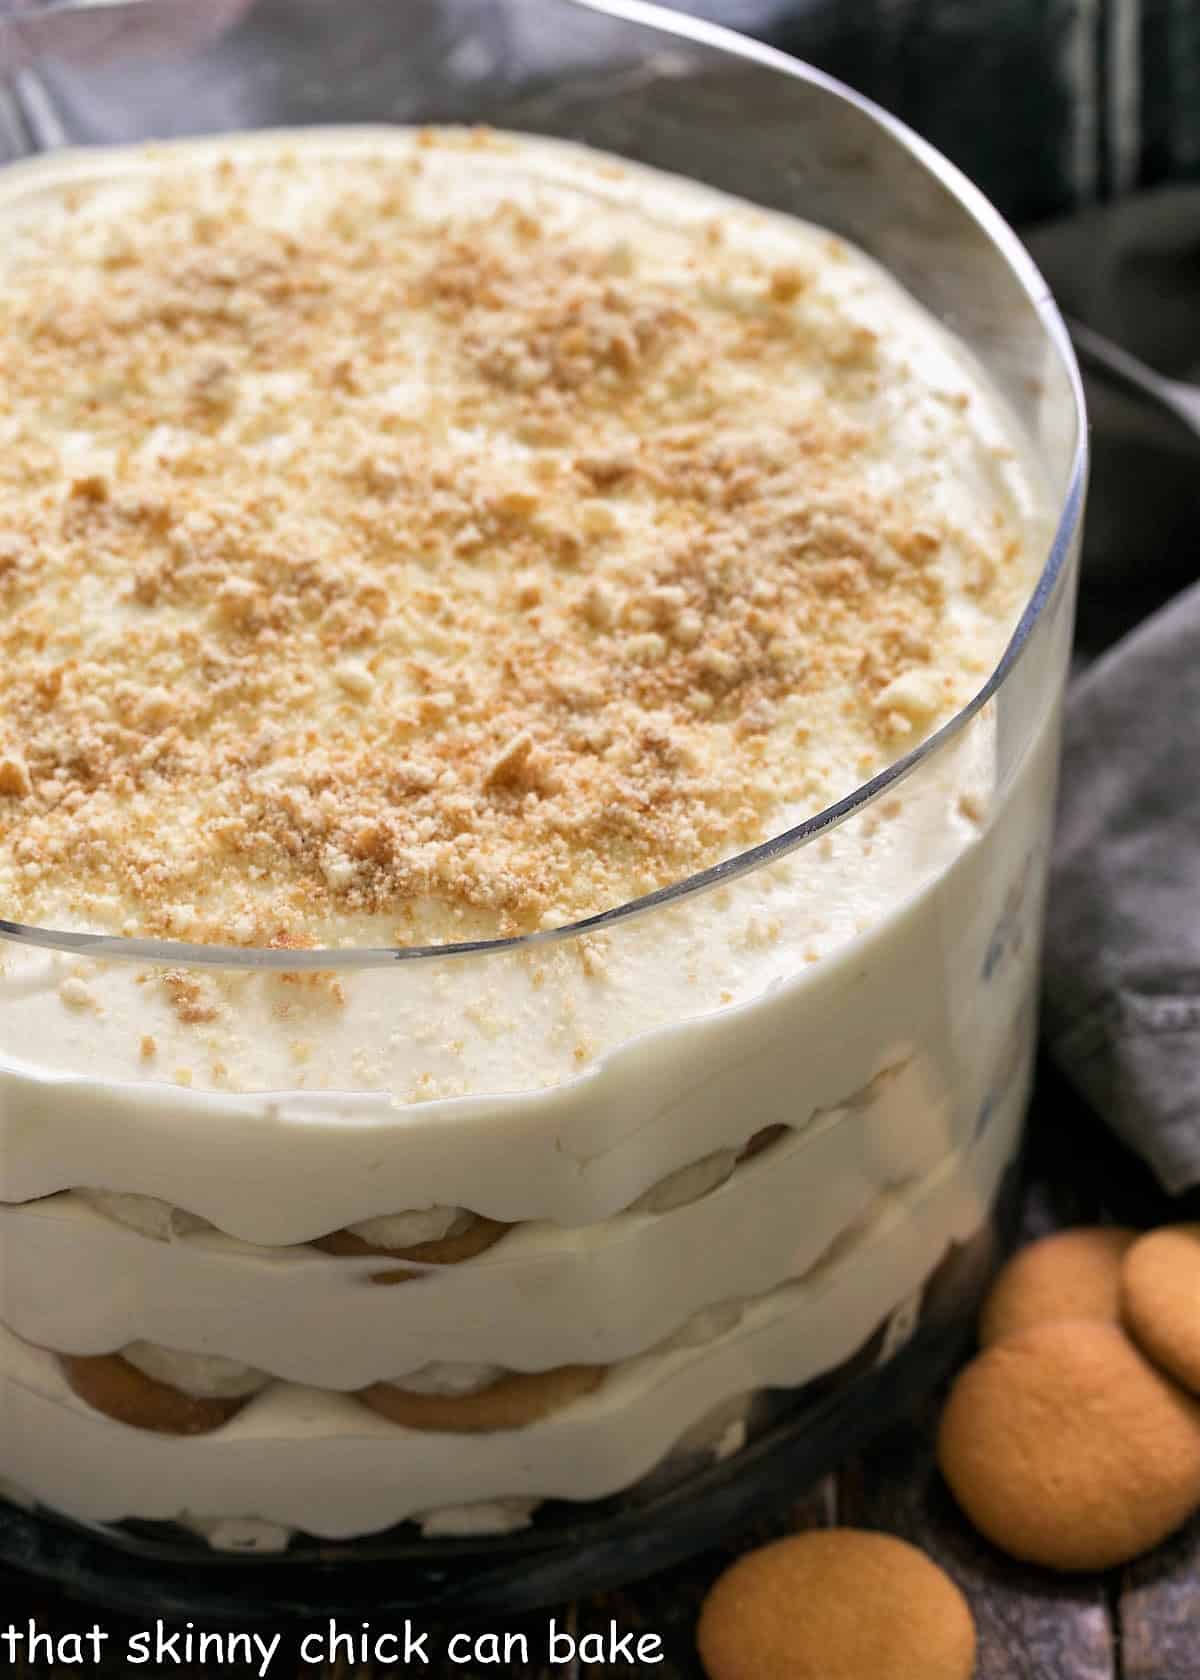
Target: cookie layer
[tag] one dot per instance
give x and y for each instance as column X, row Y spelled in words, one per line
column 511, row 1402
column 113, row 1386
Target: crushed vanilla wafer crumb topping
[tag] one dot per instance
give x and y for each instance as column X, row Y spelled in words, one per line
column 407, row 528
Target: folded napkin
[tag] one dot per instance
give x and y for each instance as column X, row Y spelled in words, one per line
column 1122, row 986
column 1123, row 936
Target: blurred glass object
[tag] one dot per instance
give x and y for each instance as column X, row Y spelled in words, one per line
column 225, row 64
column 93, row 32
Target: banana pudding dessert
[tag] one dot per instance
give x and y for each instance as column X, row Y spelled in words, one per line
column 434, row 567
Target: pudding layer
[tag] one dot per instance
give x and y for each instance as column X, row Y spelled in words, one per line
column 547, row 1295
column 298, row 1457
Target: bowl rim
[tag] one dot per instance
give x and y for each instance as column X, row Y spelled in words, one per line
column 1005, row 242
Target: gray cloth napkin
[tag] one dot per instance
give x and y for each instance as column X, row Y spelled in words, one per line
column 1123, row 937
column 1122, row 978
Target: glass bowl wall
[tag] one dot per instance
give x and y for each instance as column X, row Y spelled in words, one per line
column 868, row 1108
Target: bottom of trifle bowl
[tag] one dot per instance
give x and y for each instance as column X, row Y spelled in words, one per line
column 699, row 1497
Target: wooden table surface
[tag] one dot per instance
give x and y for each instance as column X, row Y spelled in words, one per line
column 1139, row 1623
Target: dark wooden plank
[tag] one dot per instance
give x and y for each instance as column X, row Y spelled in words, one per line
column 1032, row 1626
column 1159, row 1611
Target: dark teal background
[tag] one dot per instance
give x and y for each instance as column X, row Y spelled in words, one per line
column 1047, row 104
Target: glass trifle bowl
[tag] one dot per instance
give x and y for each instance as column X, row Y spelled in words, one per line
column 527, row 1239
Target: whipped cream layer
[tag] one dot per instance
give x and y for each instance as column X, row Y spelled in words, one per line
column 305, row 1459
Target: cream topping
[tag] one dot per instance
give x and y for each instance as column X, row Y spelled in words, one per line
column 490, row 1516
column 205, row 1374
column 446, row 1378
column 149, row 1215
column 417, row 1225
